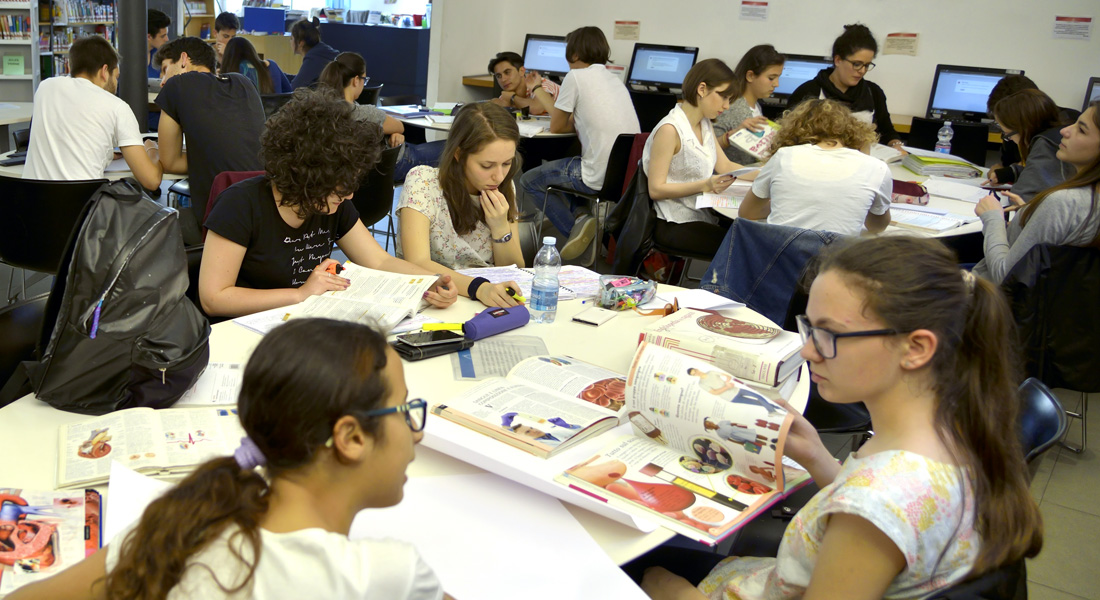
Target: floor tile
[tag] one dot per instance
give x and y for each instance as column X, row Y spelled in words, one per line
column 1036, row 591
column 1075, row 481
column 1042, row 476
column 1068, row 559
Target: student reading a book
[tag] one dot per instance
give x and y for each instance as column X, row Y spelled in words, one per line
column 334, row 431
column 1033, row 121
column 754, row 78
column 305, row 36
column 853, row 55
column 463, row 214
column 1004, row 172
column 682, row 157
column 240, row 57
column 346, row 76
column 507, row 69
column 270, row 236
column 820, row 176
column 1067, row 214
column 884, row 327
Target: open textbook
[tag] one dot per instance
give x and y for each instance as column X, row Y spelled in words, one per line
column 42, row 533
column 162, row 442
column 545, row 404
column 706, row 451
column 373, row 296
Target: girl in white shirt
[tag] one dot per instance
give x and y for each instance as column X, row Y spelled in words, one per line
column 334, row 430
column 682, row 156
column 820, row 176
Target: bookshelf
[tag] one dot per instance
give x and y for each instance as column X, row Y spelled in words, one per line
column 61, row 22
column 18, row 50
column 202, row 15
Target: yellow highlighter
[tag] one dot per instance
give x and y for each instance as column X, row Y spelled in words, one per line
column 441, row 327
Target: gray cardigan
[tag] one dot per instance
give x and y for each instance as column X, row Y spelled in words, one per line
column 1062, row 219
column 1042, row 169
column 729, row 120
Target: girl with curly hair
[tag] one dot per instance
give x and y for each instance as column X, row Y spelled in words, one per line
column 330, row 433
column 270, row 237
column 820, row 176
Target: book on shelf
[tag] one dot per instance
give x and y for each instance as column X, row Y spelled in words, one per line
column 162, row 443
column 373, row 297
column 46, row 532
column 544, row 404
column 746, row 345
column 756, row 143
column 705, row 454
column 928, row 164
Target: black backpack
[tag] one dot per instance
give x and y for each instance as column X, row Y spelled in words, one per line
column 118, row 330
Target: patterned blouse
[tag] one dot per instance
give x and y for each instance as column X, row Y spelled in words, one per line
column 922, row 505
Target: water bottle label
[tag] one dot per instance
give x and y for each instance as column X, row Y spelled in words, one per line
column 544, row 299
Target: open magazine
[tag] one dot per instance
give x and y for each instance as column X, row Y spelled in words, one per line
column 544, row 404
column 46, row 533
column 374, row 296
column 706, row 451
column 156, row 442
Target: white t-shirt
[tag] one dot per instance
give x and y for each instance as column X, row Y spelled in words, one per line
column 825, row 190
column 76, row 126
column 694, row 161
column 601, row 109
column 309, row 563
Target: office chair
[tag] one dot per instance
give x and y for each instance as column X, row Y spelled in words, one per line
column 20, row 324
column 370, row 95
column 969, row 141
column 1043, row 421
column 374, row 198
column 273, row 102
column 22, row 139
column 221, row 181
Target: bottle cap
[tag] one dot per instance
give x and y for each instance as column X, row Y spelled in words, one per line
column 947, row 123
column 550, row 240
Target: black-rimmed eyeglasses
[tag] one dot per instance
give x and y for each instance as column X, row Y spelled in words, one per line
column 861, row 66
column 825, row 340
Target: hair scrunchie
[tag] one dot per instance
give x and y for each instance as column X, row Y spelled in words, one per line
column 248, row 455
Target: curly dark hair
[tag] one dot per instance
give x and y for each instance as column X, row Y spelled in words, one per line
column 315, row 147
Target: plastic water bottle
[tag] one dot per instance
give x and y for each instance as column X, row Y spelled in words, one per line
column 544, row 289
column 943, row 138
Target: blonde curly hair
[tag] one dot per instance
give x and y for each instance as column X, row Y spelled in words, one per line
column 815, row 121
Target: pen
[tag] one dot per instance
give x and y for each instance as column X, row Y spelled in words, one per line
column 335, row 268
column 515, row 294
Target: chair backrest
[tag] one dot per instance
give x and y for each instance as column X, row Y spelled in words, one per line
column 370, row 95
column 221, row 181
column 617, row 166
column 273, row 102
column 20, row 324
column 374, row 198
column 1042, row 422
column 651, row 107
column 22, row 139
column 39, row 218
column 634, row 162
column 969, row 142
column 400, row 100
column 1053, row 292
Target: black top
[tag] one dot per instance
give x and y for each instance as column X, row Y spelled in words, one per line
column 222, row 119
column 277, row 255
column 314, row 61
column 865, row 96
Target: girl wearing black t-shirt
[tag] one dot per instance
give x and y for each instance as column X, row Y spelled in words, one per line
column 270, row 237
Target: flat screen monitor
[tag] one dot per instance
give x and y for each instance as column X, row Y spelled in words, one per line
column 545, row 54
column 659, row 65
column 962, row 92
column 798, row 69
column 1092, row 92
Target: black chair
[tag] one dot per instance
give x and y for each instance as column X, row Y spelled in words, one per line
column 651, row 107
column 969, row 142
column 39, row 218
column 273, row 102
column 370, row 95
column 1054, row 292
column 1043, row 421
column 374, row 198
column 614, row 177
column 22, row 139
column 20, row 326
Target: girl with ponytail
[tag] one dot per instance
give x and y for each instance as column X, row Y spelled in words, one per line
column 940, row 494
column 333, row 431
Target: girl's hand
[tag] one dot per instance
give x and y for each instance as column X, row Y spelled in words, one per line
column 321, row 281
column 803, row 444
column 1015, row 201
column 989, row 203
column 754, row 123
column 993, row 177
column 495, row 206
column 443, row 293
column 718, row 183
column 497, row 294
column 396, row 139
column 661, row 584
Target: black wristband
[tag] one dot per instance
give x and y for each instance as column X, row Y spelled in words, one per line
column 471, row 291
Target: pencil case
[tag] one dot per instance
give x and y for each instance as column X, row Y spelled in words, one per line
column 618, row 292
column 492, row 321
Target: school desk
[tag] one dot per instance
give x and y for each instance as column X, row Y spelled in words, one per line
column 118, row 169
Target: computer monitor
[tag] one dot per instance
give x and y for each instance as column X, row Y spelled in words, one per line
column 545, row 54
column 660, row 65
column 1092, row 92
column 961, row 93
column 798, row 69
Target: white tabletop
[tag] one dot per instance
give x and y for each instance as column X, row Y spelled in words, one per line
column 118, row 169
column 425, row 123
column 15, row 112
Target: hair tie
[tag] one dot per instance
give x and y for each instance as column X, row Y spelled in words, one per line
column 970, row 280
column 248, row 455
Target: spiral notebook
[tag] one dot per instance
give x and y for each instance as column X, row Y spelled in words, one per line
column 575, row 282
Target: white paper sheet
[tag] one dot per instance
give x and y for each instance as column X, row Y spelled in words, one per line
column 263, row 322
column 487, row 537
column 938, row 186
column 219, row 385
column 694, row 298
column 131, row 492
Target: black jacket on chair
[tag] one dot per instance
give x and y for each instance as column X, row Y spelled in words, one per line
column 632, row 223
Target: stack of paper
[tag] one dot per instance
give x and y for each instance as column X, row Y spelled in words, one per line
column 529, row 129
column 924, row 162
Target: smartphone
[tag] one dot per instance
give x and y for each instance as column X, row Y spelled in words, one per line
column 430, row 338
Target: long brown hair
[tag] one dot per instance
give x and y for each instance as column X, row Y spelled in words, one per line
column 1028, row 113
column 288, row 405
column 1088, row 177
column 816, row 120
column 239, row 50
column 475, row 126
column 914, row 283
column 757, row 60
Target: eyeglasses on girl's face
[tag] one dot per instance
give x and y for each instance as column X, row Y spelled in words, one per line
column 861, row 66
column 415, row 411
column 825, row 340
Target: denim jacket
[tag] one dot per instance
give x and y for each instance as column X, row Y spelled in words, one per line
column 760, row 264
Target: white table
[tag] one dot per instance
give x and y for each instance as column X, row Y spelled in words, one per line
column 118, row 169
column 426, row 123
column 12, row 113
column 31, row 424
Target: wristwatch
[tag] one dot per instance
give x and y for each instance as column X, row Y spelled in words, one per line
column 504, row 240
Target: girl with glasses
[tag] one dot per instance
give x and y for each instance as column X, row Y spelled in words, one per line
column 940, row 494
column 853, row 57
column 334, row 431
column 1033, row 121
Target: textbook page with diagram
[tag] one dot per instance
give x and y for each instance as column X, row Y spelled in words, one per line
column 161, row 443
column 544, row 404
column 47, row 532
column 373, row 297
column 706, row 454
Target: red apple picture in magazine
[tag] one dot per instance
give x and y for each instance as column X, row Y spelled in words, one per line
column 736, row 328
column 608, row 393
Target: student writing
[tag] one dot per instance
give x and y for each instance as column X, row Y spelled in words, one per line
column 755, row 77
column 334, row 431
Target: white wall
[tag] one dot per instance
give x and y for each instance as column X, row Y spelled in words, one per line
column 989, row 33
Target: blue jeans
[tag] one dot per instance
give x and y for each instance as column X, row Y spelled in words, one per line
column 418, row 154
column 561, row 209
